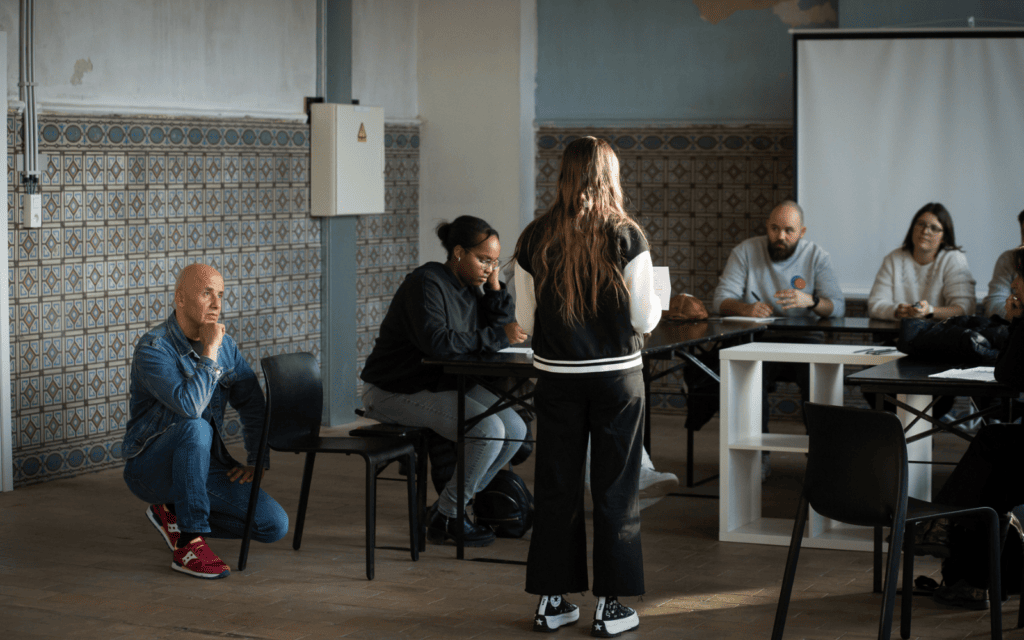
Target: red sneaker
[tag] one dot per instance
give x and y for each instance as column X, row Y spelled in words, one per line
column 165, row 523
column 197, row 559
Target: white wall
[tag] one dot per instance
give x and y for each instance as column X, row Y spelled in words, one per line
column 384, row 57
column 469, row 102
column 177, row 57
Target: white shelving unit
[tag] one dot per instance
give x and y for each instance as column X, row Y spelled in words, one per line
column 742, row 441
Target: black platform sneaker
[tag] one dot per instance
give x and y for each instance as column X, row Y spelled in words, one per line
column 613, row 618
column 554, row 612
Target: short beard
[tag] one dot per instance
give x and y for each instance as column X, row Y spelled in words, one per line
column 778, row 254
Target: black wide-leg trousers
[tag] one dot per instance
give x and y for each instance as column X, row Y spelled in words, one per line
column 610, row 411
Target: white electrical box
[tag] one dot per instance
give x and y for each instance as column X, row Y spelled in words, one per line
column 32, row 210
column 347, row 159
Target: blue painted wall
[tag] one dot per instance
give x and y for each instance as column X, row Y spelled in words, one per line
column 866, row 14
column 606, row 62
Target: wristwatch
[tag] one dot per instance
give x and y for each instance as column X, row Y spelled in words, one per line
column 816, row 298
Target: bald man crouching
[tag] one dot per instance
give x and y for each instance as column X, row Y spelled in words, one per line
column 183, row 372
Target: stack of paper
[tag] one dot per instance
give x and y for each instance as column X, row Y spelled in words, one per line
column 979, row 374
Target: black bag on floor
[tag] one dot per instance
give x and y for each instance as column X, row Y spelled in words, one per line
column 506, row 505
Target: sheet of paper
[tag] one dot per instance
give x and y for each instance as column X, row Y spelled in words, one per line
column 746, row 319
column 526, row 350
column 978, row 374
column 663, row 286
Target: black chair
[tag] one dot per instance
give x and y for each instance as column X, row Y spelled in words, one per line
column 294, row 408
column 1017, row 522
column 418, row 436
column 857, row 474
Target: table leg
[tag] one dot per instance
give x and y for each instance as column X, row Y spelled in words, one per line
column 919, row 480
column 826, row 388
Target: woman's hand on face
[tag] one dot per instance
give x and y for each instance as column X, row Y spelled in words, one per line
column 515, row 333
column 492, row 281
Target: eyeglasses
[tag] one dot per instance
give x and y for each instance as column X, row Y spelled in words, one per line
column 488, row 265
column 933, row 228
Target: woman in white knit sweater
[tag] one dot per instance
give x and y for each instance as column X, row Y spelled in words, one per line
column 928, row 276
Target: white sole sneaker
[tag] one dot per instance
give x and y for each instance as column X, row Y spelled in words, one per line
column 655, row 484
column 551, row 616
column 624, row 620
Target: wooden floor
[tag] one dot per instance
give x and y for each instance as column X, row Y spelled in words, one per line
column 78, row 559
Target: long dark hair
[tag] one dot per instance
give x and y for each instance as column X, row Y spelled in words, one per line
column 464, row 231
column 576, row 252
column 1018, row 260
column 946, row 220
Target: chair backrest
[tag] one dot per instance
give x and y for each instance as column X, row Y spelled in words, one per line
column 856, row 464
column 295, row 400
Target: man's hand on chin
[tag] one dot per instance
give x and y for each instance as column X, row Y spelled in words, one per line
column 210, row 336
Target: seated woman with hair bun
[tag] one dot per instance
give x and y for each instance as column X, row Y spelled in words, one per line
column 440, row 310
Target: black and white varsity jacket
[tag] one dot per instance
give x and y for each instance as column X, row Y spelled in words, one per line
column 607, row 344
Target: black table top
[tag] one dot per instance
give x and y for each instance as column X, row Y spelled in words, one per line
column 910, row 376
column 890, row 328
column 675, row 334
column 668, row 335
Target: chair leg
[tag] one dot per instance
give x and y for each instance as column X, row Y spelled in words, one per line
column 689, row 458
column 995, row 581
column 1020, row 608
column 307, row 480
column 371, row 514
column 421, row 492
column 908, row 579
column 250, row 516
column 891, row 576
column 790, row 573
column 876, row 577
column 414, row 545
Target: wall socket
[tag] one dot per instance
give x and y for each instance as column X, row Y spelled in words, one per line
column 32, row 210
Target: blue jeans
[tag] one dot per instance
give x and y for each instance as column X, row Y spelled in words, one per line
column 439, row 412
column 176, row 468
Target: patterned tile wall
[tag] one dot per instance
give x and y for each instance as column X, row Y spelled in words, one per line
column 127, row 202
column 387, row 245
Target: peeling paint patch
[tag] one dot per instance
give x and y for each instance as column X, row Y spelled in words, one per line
column 788, row 11
column 81, row 68
column 714, row 11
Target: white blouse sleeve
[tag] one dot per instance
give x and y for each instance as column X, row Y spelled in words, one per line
column 644, row 303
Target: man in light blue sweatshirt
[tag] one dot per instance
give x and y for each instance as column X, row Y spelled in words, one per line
column 780, row 274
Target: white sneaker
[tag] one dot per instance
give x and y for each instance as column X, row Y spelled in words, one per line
column 654, row 485
column 612, row 618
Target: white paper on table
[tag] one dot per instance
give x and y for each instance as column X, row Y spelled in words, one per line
column 748, row 319
column 663, row 286
column 978, row 374
column 527, row 350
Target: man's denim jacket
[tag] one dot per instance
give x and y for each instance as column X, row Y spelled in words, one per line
column 171, row 383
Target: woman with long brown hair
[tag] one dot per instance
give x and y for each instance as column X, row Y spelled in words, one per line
column 586, row 295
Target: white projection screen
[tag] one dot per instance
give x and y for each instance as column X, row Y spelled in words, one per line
column 887, row 121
